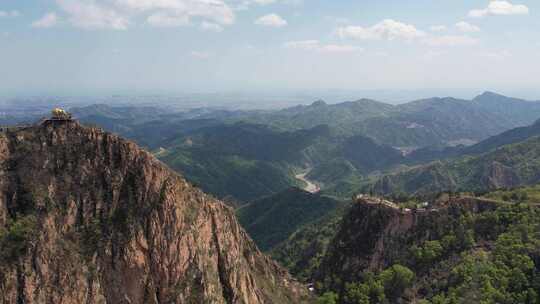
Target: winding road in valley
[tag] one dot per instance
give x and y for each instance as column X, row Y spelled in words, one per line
column 310, row 186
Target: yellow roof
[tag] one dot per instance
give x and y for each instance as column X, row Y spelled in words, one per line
column 58, row 111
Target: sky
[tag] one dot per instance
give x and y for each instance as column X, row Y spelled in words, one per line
column 167, row 46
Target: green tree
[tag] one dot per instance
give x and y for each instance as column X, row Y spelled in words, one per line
column 356, row 293
column 15, row 240
column 370, row 291
column 448, row 242
column 328, row 298
column 429, row 252
column 395, row 280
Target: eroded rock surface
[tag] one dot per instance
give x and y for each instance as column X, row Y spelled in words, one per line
column 374, row 236
column 87, row 217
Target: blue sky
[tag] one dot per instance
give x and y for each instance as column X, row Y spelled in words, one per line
column 85, row 46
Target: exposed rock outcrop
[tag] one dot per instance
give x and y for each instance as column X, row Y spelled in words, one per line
column 87, row 217
column 372, row 236
column 497, row 176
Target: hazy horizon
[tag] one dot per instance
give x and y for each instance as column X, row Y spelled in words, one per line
column 250, row 100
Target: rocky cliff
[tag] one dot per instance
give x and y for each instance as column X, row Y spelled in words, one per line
column 374, row 236
column 87, row 217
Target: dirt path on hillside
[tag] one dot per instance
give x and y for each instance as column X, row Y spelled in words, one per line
column 310, row 186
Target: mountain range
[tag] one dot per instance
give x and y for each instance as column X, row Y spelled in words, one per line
column 507, row 160
column 242, row 156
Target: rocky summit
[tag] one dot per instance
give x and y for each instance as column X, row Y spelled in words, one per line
column 88, row 217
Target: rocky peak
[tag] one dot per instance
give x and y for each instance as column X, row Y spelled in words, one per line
column 372, row 235
column 488, row 95
column 318, row 103
column 88, row 217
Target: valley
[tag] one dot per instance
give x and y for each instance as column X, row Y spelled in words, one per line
column 347, row 144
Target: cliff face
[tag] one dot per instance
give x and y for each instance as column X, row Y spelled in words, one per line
column 374, row 236
column 87, row 217
column 497, row 176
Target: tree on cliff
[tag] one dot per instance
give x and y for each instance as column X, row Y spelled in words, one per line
column 395, row 280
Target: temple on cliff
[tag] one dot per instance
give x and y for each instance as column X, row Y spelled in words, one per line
column 60, row 114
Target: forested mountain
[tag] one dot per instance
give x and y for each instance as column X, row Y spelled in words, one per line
column 339, row 115
column 520, row 111
column 509, row 137
column 271, row 220
column 249, row 154
column 375, row 252
column 383, row 254
column 303, row 251
column 242, row 160
column 419, row 123
column 248, row 161
column 508, row 166
column 434, row 121
column 118, row 119
column 453, row 120
column 245, row 155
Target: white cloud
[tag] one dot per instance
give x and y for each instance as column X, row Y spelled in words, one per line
column 9, row 14
column 48, row 20
column 450, row 40
column 91, row 15
column 121, row 14
column 385, row 30
column 467, row 27
column 242, row 5
column 211, row 27
column 499, row 7
column 271, row 20
column 315, row 45
column 215, row 10
column 438, row 28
